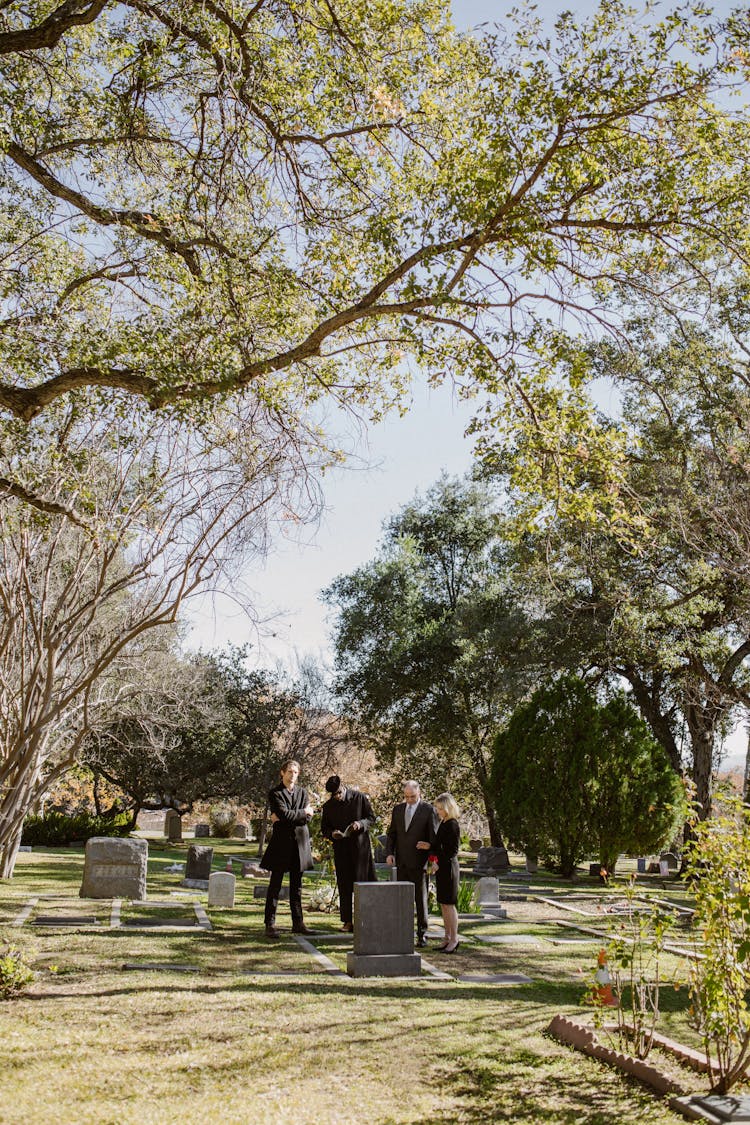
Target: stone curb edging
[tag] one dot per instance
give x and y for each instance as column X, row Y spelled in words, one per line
column 583, row 1038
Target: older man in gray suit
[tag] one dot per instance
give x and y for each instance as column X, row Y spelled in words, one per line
column 412, row 821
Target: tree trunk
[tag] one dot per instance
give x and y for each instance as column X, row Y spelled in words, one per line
column 647, row 698
column 496, row 836
column 9, row 853
column 701, row 721
column 262, row 832
column 746, row 781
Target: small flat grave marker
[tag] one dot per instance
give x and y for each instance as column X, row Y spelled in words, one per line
column 156, row 966
column 65, row 920
column 716, row 1107
column 494, row 978
column 508, row 939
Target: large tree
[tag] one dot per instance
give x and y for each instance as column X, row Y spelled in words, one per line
column 143, row 512
column 430, row 641
column 298, row 195
column 660, row 597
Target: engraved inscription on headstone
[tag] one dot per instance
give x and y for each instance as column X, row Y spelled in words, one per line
column 114, row 868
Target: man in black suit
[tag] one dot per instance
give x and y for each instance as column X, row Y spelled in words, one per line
column 289, row 847
column 413, row 820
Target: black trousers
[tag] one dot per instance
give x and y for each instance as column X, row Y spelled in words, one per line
column 417, row 876
column 345, row 881
column 295, row 893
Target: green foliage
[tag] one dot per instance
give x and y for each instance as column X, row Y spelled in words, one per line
column 430, row 641
column 56, row 829
column 223, row 819
column 15, row 974
column 719, row 869
column 203, row 199
column 570, row 776
column 663, row 605
column 466, row 902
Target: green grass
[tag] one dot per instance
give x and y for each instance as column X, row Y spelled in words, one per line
column 262, row 1033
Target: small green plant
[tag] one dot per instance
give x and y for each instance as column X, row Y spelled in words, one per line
column 466, row 903
column 15, row 974
column 719, row 869
column 635, row 953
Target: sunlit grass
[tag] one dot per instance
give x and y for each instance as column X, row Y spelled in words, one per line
column 262, row 1033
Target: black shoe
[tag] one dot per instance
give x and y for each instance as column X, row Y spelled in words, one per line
column 348, row 927
column 301, row 929
column 271, row 931
column 455, row 948
column 422, row 940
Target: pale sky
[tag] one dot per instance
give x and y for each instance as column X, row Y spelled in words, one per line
column 403, row 455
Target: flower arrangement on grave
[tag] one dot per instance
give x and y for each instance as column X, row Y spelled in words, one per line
column 323, row 898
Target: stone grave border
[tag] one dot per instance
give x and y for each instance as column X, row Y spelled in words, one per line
column 115, row 917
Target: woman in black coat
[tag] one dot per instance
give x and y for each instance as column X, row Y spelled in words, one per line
column 447, row 876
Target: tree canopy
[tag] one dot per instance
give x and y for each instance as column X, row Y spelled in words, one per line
column 571, row 776
column 300, row 196
column 430, row 642
column 663, row 603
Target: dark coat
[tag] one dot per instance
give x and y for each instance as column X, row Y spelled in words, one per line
column 403, row 844
column 448, row 876
column 352, row 856
column 290, row 833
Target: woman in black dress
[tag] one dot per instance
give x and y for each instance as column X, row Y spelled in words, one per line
column 447, row 876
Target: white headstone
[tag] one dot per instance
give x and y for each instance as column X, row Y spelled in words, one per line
column 221, row 889
column 487, row 891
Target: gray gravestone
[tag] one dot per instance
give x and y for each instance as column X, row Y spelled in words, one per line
column 384, row 931
column 202, row 830
column 671, row 860
column 380, row 851
column 114, row 868
column 491, row 860
column 259, row 891
column 221, row 889
column 487, row 897
column 240, row 832
column 198, row 866
column 172, row 825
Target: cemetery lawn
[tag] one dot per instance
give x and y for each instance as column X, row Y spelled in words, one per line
column 231, row 1026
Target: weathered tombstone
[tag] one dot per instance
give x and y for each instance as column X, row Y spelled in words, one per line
column 202, row 830
column 240, row 832
column 380, row 852
column 172, row 825
column 475, row 844
column 384, row 931
column 487, row 897
column 114, row 868
column 490, row 861
column 671, row 860
column 198, row 866
column 221, row 889
column 640, row 864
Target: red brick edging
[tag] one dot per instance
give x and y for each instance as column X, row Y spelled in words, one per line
column 583, row 1038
